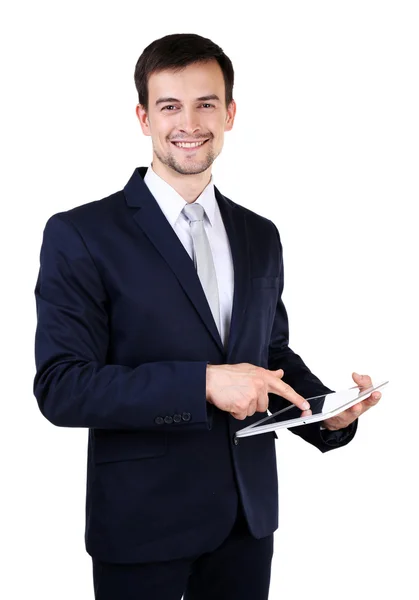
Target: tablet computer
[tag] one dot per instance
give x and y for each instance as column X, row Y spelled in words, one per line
column 321, row 407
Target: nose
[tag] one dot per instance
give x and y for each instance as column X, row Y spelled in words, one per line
column 189, row 121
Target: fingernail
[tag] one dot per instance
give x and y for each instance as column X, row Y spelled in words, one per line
column 306, row 405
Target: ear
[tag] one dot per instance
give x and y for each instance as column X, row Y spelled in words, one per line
column 142, row 116
column 231, row 113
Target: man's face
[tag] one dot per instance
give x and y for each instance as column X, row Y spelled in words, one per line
column 187, row 106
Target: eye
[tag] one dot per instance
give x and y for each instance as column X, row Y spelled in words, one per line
column 173, row 106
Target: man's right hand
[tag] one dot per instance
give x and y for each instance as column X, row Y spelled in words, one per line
column 242, row 389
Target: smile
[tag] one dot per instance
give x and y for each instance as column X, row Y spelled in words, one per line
column 189, row 145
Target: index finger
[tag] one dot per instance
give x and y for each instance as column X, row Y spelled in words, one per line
column 277, row 386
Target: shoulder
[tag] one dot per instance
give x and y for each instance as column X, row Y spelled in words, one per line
column 90, row 216
column 94, row 210
column 255, row 222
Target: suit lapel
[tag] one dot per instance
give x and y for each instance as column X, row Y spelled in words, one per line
column 155, row 226
column 235, row 224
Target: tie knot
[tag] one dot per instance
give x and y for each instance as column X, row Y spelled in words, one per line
column 194, row 212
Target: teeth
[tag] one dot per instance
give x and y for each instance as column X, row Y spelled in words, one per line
column 188, row 144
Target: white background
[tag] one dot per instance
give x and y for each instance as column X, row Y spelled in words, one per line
column 325, row 144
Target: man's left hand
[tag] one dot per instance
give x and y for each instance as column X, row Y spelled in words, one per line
column 348, row 416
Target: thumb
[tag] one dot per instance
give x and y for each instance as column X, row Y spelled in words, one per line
column 357, row 378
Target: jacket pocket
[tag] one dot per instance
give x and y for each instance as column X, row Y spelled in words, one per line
column 113, row 446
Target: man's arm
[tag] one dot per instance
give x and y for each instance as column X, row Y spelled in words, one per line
column 74, row 385
column 299, row 376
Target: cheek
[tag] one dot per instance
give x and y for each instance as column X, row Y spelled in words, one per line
column 164, row 137
column 160, row 130
column 219, row 129
column 219, row 140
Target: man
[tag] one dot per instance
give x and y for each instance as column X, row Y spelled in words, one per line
column 161, row 329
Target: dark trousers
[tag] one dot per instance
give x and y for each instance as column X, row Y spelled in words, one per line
column 239, row 569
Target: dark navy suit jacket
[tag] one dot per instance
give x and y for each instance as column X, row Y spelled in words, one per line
column 123, row 339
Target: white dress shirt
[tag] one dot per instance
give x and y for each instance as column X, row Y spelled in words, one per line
column 171, row 203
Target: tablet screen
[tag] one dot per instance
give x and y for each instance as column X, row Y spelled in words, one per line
column 321, row 407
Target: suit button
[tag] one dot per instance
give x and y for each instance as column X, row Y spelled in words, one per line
column 235, row 441
column 168, row 420
column 177, row 418
column 186, row 416
column 159, row 420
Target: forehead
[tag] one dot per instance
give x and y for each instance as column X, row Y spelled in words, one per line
column 192, row 81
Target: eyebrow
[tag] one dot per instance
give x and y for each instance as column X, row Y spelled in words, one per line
column 200, row 99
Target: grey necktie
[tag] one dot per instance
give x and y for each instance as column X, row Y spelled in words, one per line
column 203, row 260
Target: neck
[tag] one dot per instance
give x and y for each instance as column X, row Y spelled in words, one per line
column 190, row 187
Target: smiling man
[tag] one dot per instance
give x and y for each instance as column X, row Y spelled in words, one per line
column 161, row 329
column 186, row 126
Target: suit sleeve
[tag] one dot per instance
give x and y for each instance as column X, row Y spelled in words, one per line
column 299, row 376
column 74, row 386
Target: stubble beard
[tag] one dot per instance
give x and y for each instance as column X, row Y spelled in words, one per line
column 188, row 167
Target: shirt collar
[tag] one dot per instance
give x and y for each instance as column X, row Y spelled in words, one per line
column 172, row 203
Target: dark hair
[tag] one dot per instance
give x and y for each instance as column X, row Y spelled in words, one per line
column 176, row 51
